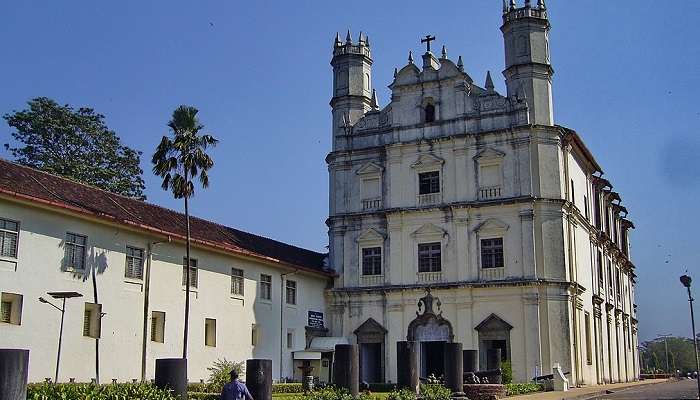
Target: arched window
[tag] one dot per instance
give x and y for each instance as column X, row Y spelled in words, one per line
column 430, row 113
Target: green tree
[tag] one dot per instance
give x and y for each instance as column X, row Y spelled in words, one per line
column 179, row 160
column 75, row 144
column 680, row 354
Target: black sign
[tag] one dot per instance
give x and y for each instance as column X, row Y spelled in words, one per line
column 315, row 319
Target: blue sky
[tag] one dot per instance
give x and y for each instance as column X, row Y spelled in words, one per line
column 627, row 79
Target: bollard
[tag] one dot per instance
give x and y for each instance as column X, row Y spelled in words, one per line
column 346, row 371
column 14, row 367
column 493, row 359
column 471, row 360
column 171, row 373
column 407, row 365
column 454, row 367
column 258, row 373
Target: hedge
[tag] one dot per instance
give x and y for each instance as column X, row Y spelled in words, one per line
column 287, row 388
column 514, row 389
column 203, row 396
column 81, row 391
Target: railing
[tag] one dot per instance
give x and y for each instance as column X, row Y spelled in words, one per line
column 492, row 274
column 489, row 192
column 371, row 204
column 371, row 280
column 427, row 277
column 431, row 198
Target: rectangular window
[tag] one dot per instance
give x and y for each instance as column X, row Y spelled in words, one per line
column 589, row 346
column 290, row 339
column 134, row 263
column 492, row 253
column 254, row 335
column 210, row 332
column 91, row 320
column 573, row 193
column 371, row 188
column 372, row 261
column 601, row 278
column 75, row 251
column 429, row 182
column 585, row 208
column 429, row 257
column 291, row 293
column 158, row 326
column 266, row 287
column 610, row 276
column 193, row 272
column 237, row 282
column 9, row 238
column 11, row 308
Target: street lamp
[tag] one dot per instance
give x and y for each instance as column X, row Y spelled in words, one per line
column 686, row 280
column 63, row 296
column 665, row 337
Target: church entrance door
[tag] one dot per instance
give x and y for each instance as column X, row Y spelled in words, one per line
column 371, row 355
column 432, row 358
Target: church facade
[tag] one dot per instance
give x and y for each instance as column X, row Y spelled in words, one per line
column 480, row 203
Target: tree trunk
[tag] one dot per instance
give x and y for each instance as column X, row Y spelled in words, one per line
column 99, row 319
column 187, row 273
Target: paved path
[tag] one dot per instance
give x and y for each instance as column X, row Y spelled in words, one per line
column 588, row 392
column 674, row 390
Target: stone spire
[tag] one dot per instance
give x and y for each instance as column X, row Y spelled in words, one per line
column 360, row 39
column 375, row 102
column 489, row 82
column 396, row 72
column 337, row 39
column 366, row 40
column 348, row 38
column 512, row 4
column 540, row 5
column 410, row 57
column 505, row 6
column 527, row 3
column 444, row 52
column 460, row 64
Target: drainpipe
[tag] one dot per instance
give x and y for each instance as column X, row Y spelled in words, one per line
column 282, row 301
column 146, row 292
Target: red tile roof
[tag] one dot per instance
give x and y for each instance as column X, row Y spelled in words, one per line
column 54, row 191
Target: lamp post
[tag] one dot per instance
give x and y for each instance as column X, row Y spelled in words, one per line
column 686, row 280
column 63, row 296
column 665, row 337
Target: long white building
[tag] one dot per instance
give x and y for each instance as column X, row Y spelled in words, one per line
column 483, row 199
column 251, row 296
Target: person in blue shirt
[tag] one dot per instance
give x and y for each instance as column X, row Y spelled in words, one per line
column 235, row 390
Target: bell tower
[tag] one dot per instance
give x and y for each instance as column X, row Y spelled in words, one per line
column 528, row 70
column 352, row 82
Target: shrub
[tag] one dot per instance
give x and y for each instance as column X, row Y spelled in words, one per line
column 514, row 389
column 203, row 396
column 402, row 394
column 219, row 374
column 81, row 391
column 382, row 387
column 507, row 371
column 287, row 388
column 435, row 392
column 330, row 393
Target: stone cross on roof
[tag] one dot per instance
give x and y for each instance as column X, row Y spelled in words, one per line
column 427, row 40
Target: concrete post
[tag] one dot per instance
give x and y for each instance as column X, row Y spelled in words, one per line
column 258, row 374
column 14, row 367
column 346, row 371
column 471, row 360
column 454, row 369
column 407, row 365
column 171, row 373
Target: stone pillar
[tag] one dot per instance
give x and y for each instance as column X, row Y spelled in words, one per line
column 14, row 367
column 407, row 365
column 258, row 378
column 171, row 373
column 493, row 359
column 454, row 369
column 346, row 371
column 470, row 360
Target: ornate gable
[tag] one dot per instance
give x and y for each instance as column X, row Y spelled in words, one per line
column 427, row 160
column 369, row 168
column 489, row 153
column 429, row 230
column 370, row 235
column 493, row 323
column 491, row 224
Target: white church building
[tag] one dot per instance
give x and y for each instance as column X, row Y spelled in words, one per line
column 452, row 189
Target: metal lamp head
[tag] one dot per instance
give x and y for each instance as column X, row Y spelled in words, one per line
column 686, row 280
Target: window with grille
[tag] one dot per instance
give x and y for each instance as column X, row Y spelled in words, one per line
column 266, row 287
column 429, row 182
column 11, row 308
column 237, row 281
column 134, row 263
column 492, row 253
column 9, row 238
column 290, row 339
column 429, row 257
column 372, row 261
column 158, row 326
column 75, row 251
column 193, row 272
column 291, row 292
column 210, row 332
column 91, row 320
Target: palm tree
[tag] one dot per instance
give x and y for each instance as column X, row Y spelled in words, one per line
column 179, row 160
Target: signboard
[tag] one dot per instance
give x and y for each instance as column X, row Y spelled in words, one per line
column 315, row 319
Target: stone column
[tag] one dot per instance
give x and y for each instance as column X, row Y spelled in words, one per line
column 258, row 374
column 346, row 371
column 171, row 373
column 407, row 365
column 493, row 359
column 470, row 360
column 14, row 367
column 454, row 369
